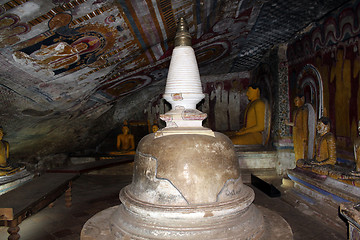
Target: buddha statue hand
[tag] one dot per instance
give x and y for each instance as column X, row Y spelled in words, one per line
column 241, row 131
column 355, row 173
column 307, row 163
column 303, row 163
column 326, row 161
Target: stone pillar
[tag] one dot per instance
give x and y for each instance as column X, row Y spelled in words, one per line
column 283, row 143
column 282, row 105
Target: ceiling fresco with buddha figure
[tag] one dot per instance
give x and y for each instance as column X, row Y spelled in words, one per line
column 72, row 71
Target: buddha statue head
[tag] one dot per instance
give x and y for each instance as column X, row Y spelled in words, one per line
column 125, row 130
column 253, row 92
column 299, row 100
column 323, row 126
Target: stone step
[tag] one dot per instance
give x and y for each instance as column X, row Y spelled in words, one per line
column 257, row 160
column 321, row 186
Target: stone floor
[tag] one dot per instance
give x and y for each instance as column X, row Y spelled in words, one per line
column 97, row 191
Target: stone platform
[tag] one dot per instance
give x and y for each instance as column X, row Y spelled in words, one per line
column 320, row 195
column 8, row 183
column 321, row 186
column 87, row 164
column 257, row 157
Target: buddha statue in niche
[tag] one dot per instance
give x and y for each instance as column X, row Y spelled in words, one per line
column 254, row 119
column 300, row 128
column 325, row 147
column 125, row 141
column 5, row 168
column 357, row 152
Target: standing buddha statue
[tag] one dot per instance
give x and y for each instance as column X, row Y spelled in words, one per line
column 357, row 151
column 300, row 128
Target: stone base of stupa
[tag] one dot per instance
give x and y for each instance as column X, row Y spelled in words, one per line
column 99, row 228
column 186, row 186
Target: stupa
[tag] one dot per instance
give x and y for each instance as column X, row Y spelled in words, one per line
column 186, row 179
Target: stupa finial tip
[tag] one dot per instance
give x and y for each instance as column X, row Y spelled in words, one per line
column 182, row 37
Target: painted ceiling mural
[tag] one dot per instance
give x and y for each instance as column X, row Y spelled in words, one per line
column 64, row 64
column 116, row 48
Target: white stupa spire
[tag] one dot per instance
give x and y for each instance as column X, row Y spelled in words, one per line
column 183, row 88
column 183, row 85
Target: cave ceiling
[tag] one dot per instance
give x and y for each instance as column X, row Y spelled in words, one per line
column 71, row 70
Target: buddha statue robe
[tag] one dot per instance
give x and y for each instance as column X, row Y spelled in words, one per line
column 325, row 149
column 254, row 118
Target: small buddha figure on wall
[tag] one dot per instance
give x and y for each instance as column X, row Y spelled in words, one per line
column 254, row 119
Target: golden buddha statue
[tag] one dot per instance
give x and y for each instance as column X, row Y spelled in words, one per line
column 357, row 151
column 254, row 118
column 125, row 140
column 5, row 168
column 325, row 147
column 300, row 128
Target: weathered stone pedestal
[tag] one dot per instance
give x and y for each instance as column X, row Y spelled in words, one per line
column 136, row 220
column 185, row 186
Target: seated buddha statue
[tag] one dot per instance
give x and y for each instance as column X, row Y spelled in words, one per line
column 5, row 168
column 254, row 119
column 125, row 141
column 325, row 147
